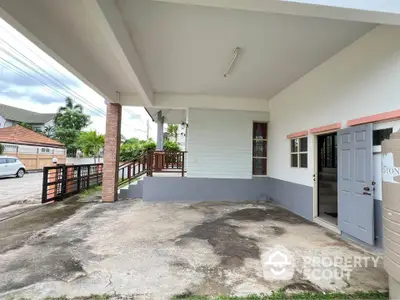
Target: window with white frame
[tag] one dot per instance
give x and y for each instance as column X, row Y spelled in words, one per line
column 259, row 148
column 298, row 152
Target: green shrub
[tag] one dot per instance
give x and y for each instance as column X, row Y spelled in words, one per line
column 2, row 148
column 132, row 150
column 171, row 146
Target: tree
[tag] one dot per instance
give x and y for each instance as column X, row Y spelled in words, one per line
column 90, row 142
column 30, row 127
column 25, row 125
column 135, row 148
column 48, row 131
column 2, row 148
column 68, row 124
column 132, row 141
column 172, row 131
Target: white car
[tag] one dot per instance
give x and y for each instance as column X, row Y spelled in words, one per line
column 11, row 166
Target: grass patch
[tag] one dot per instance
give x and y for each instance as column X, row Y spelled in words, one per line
column 90, row 191
column 281, row 295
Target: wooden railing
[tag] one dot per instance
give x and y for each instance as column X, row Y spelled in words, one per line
column 168, row 162
column 131, row 170
column 152, row 162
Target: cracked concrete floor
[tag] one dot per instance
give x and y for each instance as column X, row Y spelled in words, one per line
column 158, row 250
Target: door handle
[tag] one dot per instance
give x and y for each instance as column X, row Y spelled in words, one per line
column 366, row 189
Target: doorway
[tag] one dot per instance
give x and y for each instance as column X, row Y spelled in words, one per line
column 327, row 178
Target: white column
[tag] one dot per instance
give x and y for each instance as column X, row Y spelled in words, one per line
column 160, row 131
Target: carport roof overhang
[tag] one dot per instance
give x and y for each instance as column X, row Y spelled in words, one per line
column 172, row 54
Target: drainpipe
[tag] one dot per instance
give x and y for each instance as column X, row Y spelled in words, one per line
column 160, row 131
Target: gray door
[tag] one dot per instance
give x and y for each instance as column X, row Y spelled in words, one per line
column 356, row 197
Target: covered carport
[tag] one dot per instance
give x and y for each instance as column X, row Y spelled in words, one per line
column 163, row 55
column 183, row 55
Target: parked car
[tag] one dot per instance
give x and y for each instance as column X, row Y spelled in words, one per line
column 11, row 166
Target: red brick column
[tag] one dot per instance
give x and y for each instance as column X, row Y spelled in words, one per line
column 111, row 153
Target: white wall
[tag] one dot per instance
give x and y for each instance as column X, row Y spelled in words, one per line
column 8, row 123
column 2, row 122
column 26, row 149
column 361, row 80
column 83, row 160
column 220, row 143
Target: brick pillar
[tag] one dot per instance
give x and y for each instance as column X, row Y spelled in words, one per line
column 111, row 153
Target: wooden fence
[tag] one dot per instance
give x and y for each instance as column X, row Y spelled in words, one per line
column 36, row 161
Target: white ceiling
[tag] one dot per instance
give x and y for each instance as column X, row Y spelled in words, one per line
column 171, row 116
column 186, row 49
column 79, row 30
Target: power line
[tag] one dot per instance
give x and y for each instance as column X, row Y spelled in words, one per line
column 94, row 108
column 17, row 70
column 22, row 73
column 37, row 54
column 49, row 77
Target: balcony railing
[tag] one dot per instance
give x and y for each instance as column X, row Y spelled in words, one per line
column 152, row 162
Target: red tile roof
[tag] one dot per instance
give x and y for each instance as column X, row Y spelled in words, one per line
column 21, row 135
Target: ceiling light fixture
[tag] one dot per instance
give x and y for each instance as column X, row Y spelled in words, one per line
column 236, row 52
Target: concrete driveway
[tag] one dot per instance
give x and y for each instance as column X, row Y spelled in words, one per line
column 160, row 250
column 27, row 189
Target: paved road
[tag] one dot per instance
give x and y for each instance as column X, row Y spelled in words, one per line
column 21, row 190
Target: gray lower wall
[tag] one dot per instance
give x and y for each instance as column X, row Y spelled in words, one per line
column 295, row 197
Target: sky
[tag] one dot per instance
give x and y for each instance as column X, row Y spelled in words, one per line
column 32, row 80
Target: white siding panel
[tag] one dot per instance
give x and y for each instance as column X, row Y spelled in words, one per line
column 361, row 80
column 220, row 143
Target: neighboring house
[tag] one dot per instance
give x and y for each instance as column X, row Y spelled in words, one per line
column 32, row 148
column 10, row 115
column 285, row 101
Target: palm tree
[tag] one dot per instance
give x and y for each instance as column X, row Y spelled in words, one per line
column 48, row 131
column 70, row 106
column 91, row 143
column 68, row 123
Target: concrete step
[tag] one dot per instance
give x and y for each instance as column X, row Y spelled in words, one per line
column 133, row 190
column 328, row 199
column 327, row 176
column 327, row 191
column 329, row 170
column 329, row 208
column 328, row 184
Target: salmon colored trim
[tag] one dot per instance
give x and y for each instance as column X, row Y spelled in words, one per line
column 395, row 114
column 325, row 128
column 297, row 134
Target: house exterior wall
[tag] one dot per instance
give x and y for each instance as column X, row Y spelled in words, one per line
column 220, row 143
column 2, row 122
column 9, row 123
column 35, row 157
column 361, row 80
